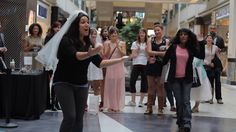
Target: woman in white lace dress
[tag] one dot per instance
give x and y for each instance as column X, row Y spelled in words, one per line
column 95, row 75
column 202, row 92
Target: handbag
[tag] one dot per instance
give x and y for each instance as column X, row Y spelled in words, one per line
column 196, row 80
column 217, row 64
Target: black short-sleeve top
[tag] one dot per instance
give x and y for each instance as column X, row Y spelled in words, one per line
column 155, row 69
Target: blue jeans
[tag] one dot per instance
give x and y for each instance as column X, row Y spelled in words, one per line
column 169, row 93
column 182, row 90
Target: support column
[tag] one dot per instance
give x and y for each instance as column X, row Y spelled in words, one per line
column 231, row 79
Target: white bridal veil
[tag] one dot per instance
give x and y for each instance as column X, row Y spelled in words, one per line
column 48, row 54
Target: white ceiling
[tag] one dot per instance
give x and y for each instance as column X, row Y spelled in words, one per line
column 155, row 1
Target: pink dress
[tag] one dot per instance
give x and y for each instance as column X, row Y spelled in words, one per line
column 114, row 88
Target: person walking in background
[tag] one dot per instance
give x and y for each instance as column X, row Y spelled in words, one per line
column 155, row 50
column 114, row 88
column 69, row 54
column 139, row 57
column 218, row 68
column 54, row 105
column 180, row 76
column 217, row 40
column 212, row 51
column 104, row 38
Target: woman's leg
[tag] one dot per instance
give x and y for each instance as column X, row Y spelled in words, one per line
column 179, row 101
column 133, row 78
column 151, row 92
column 211, row 79
column 96, row 84
column 187, row 113
column 218, row 87
column 144, row 87
column 81, row 95
column 65, row 95
column 195, row 108
column 169, row 94
column 160, row 95
column 102, row 89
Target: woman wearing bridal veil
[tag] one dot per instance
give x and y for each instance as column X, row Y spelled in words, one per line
column 69, row 53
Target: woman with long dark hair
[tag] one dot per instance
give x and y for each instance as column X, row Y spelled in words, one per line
column 180, row 54
column 69, row 54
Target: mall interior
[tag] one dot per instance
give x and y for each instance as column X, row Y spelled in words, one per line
column 24, row 97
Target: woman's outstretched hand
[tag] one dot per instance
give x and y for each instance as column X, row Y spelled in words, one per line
column 124, row 58
column 94, row 51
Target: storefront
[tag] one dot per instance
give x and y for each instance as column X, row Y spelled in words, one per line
column 222, row 22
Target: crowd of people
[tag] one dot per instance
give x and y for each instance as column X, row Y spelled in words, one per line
column 78, row 56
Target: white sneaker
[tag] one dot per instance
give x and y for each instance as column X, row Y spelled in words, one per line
column 131, row 103
column 140, row 104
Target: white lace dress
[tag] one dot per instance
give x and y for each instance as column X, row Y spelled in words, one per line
column 94, row 73
column 202, row 92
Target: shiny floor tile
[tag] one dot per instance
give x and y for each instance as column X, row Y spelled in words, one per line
column 138, row 122
column 50, row 122
column 211, row 118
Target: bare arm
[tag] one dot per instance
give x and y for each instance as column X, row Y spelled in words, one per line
column 107, row 49
column 109, row 62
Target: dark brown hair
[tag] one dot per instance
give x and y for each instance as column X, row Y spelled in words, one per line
column 146, row 36
column 160, row 26
column 32, row 27
column 101, row 34
column 112, row 30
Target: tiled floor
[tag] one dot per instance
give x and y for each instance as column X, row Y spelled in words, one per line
column 50, row 122
column 211, row 118
column 139, row 123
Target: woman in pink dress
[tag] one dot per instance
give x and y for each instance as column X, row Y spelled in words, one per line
column 114, row 88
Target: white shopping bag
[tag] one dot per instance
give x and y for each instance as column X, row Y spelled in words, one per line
column 93, row 106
